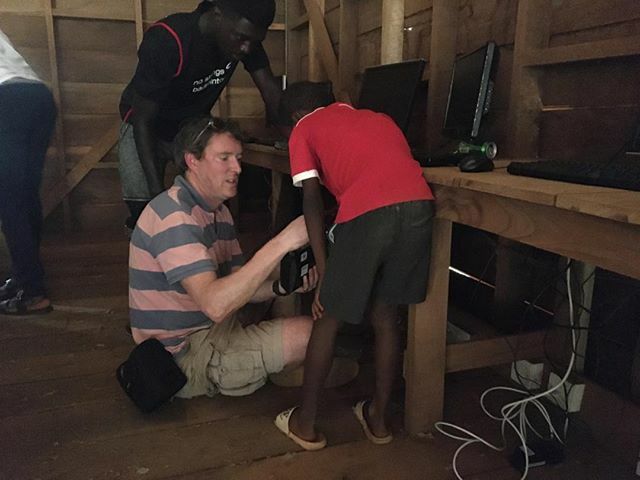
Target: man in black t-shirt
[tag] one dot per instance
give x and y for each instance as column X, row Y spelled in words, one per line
column 185, row 61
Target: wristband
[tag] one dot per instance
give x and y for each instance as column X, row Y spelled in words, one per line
column 276, row 289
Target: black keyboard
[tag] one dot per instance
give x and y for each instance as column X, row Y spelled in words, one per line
column 621, row 173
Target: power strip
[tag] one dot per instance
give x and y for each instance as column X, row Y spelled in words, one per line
column 527, row 374
column 576, row 392
column 455, row 334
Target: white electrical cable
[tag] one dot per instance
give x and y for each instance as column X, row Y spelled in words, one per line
column 516, row 409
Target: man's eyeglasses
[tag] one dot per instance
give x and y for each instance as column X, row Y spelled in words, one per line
column 210, row 124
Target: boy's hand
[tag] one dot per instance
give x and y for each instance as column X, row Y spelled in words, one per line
column 309, row 281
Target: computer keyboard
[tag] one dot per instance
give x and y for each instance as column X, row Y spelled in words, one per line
column 621, row 173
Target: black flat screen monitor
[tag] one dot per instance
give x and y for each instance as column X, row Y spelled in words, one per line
column 470, row 92
column 391, row 89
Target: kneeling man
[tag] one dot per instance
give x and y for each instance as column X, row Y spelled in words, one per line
column 188, row 279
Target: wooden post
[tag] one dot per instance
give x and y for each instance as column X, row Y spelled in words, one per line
column 61, row 168
column 293, row 13
column 316, row 70
column 55, row 86
column 426, row 347
column 320, row 44
column 137, row 6
column 392, row 37
column 347, row 49
column 444, row 31
column 532, row 32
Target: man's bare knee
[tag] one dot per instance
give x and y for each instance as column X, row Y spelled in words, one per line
column 295, row 338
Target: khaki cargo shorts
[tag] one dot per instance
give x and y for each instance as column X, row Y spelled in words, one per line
column 231, row 359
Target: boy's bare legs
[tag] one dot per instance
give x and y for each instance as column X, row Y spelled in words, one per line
column 384, row 319
column 316, row 367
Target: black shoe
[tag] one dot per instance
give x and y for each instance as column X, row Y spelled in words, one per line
column 21, row 304
column 8, row 289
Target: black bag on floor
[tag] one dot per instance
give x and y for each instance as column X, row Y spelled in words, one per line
column 150, row 376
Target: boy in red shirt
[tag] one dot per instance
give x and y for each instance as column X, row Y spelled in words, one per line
column 380, row 243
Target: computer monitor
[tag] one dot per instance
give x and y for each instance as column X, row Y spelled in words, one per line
column 391, row 89
column 470, row 92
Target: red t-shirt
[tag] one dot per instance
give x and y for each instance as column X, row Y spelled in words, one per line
column 361, row 156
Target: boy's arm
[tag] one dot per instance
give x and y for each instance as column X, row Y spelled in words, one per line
column 313, row 209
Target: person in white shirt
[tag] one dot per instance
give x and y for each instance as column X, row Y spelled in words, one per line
column 27, row 117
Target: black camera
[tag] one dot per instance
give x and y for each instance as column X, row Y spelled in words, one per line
column 294, row 266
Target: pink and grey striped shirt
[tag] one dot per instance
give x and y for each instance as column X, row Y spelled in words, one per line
column 177, row 236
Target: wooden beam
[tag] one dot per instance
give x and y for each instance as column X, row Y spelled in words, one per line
column 348, row 47
column 55, row 195
column 613, row 47
column 392, row 35
column 55, row 86
column 137, row 6
column 299, row 22
column 319, row 44
column 293, row 37
column 322, row 49
column 532, row 32
column 444, row 32
column 494, row 351
column 425, row 363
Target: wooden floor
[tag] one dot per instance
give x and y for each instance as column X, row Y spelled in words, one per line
column 63, row 415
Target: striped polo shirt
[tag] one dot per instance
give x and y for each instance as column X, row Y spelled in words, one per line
column 177, row 236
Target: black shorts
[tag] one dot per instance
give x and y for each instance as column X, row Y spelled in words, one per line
column 382, row 255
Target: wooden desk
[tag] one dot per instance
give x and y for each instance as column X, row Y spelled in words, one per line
column 596, row 225
column 278, row 162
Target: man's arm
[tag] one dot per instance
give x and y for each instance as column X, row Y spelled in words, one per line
column 270, row 90
column 219, row 297
column 144, row 115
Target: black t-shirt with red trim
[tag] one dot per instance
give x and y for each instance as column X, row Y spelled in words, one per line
column 182, row 72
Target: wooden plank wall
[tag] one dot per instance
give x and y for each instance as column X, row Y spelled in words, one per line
column 86, row 52
column 585, row 102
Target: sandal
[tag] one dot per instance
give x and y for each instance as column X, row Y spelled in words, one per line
column 358, row 411
column 282, row 423
column 20, row 304
column 8, row 289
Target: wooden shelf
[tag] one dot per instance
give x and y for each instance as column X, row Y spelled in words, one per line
column 615, row 47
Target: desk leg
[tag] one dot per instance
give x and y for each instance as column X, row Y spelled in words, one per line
column 425, row 358
column 287, row 203
column 276, row 187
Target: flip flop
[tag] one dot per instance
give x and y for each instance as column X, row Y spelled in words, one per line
column 21, row 305
column 282, row 423
column 358, row 411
